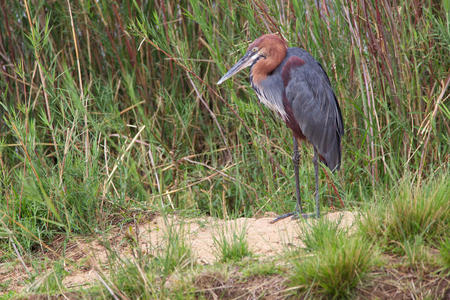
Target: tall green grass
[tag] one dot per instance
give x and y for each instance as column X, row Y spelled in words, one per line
column 108, row 106
column 411, row 215
column 147, row 274
column 336, row 264
column 231, row 244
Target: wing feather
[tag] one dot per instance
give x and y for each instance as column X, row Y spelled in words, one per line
column 316, row 110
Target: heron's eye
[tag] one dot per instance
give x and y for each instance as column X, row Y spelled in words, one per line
column 254, row 49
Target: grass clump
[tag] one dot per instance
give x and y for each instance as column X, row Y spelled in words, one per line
column 231, row 244
column 262, row 269
column 137, row 279
column 417, row 254
column 177, row 253
column 444, row 250
column 337, row 262
column 51, row 281
column 145, row 276
column 414, row 214
column 321, row 233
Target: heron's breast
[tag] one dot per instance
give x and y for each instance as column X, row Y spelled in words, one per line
column 271, row 99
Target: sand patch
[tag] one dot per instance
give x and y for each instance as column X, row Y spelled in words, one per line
column 88, row 256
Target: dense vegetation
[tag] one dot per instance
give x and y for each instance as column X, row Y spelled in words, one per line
column 109, row 109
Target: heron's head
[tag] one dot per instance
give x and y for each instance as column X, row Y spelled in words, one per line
column 267, row 51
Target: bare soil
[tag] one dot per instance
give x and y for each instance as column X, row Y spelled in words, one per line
column 86, row 256
column 264, row 239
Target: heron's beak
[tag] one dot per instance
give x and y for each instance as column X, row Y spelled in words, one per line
column 244, row 62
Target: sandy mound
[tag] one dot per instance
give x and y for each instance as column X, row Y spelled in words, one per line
column 87, row 258
column 264, row 239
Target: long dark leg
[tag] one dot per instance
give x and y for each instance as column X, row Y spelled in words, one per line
column 296, row 161
column 298, row 209
column 316, row 170
column 298, row 206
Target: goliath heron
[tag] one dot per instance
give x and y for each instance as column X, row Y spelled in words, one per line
column 294, row 85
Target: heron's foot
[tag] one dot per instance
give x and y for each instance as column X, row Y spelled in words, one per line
column 295, row 215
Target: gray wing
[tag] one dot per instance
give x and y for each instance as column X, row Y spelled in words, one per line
column 317, row 111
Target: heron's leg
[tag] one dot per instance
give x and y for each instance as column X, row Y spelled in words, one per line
column 296, row 161
column 299, row 209
column 316, row 170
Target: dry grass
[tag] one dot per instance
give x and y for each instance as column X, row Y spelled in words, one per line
column 394, row 281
